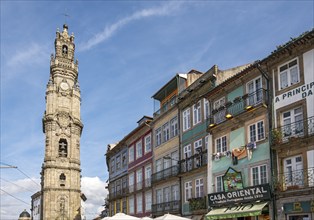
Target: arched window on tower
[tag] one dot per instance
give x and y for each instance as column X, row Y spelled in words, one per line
column 62, row 179
column 63, row 148
column 64, row 50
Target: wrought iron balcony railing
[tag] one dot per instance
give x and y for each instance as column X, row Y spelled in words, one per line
column 239, row 105
column 166, row 173
column 302, row 128
column 166, row 207
column 194, row 162
column 293, row 180
column 118, row 193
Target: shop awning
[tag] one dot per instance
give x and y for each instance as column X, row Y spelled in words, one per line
column 236, row 211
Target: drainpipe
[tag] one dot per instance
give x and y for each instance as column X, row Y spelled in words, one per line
column 270, row 127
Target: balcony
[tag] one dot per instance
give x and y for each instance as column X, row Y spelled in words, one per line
column 302, row 128
column 119, row 193
column 166, row 207
column 194, row 162
column 239, row 105
column 295, row 180
column 165, row 174
column 166, row 106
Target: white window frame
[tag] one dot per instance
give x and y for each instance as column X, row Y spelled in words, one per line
column 187, row 190
column 158, row 136
column 219, row 186
column 148, row 143
column 207, row 142
column 198, row 144
column 131, row 204
column 139, row 179
column 253, row 89
column 174, row 127
column 186, row 114
column 139, row 203
column 159, row 196
column 131, row 182
column 289, row 73
column 131, row 154
column 219, row 143
column 148, row 173
column 166, row 131
column 148, row 201
column 259, row 175
column 254, row 130
column 175, row 192
column 196, row 113
column 292, row 119
column 206, row 109
column 199, row 188
column 139, row 149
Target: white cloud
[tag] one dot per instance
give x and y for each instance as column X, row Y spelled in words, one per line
column 95, row 192
column 33, row 54
column 165, row 9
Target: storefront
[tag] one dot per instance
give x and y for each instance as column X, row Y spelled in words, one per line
column 301, row 210
column 238, row 202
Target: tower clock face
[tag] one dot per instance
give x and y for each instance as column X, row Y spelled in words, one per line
column 64, row 86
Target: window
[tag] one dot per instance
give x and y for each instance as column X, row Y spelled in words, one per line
column 124, row 204
column 148, row 173
column 219, row 184
column 118, row 162
column 221, row 144
column 197, row 151
column 158, row 136
column 131, row 205
column 293, row 171
column 173, row 127
column 256, row 132
column 159, row 196
column 186, row 119
column 139, row 203
column 206, row 109
column 166, row 132
column 139, row 179
column 254, row 91
column 292, row 122
column 124, row 160
column 63, row 148
column 220, row 115
column 112, row 165
column 118, row 206
column 158, row 165
column 148, row 143
column 259, row 175
column 138, row 149
column 188, row 190
column 187, row 154
column 198, row 146
column 197, row 113
column 199, row 188
column 289, row 74
column 131, row 182
column 131, row 154
column 148, row 201
column 175, row 192
column 167, row 194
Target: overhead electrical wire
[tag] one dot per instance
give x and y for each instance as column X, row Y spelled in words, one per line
column 14, row 197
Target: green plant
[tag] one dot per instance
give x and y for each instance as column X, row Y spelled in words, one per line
column 276, row 136
column 197, row 203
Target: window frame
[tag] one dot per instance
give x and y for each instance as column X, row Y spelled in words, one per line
column 221, row 147
column 174, row 127
column 131, row 154
column 260, row 179
column 197, row 115
column 139, row 149
column 206, row 109
column 288, row 73
column 148, row 143
column 199, row 188
column 186, row 119
column 166, row 132
column 187, row 191
column 256, row 131
column 158, row 136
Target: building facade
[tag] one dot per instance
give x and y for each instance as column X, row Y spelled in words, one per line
column 62, row 126
column 292, row 69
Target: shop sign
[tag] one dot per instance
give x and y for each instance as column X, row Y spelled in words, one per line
column 301, row 206
column 232, row 180
column 245, row 195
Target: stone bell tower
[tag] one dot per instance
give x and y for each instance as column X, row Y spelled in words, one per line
column 61, row 172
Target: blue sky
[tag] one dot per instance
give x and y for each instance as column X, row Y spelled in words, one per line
column 127, row 50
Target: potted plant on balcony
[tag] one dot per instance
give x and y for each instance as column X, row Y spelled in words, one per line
column 276, row 136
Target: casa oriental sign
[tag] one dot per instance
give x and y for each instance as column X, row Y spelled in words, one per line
column 245, row 195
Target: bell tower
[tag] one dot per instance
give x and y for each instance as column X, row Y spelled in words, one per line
column 62, row 126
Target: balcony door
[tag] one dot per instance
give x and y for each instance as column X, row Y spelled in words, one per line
column 293, row 171
column 254, row 91
column 292, row 122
